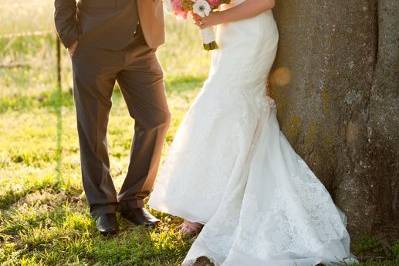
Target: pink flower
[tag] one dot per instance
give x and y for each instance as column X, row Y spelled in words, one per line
column 178, row 8
column 214, row 3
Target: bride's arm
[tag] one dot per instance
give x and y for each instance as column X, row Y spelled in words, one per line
column 247, row 9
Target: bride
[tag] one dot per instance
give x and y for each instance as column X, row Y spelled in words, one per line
column 233, row 171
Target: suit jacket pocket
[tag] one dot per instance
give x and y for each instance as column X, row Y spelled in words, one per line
column 99, row 3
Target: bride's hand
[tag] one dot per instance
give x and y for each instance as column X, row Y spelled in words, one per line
column 213, row 19
column 247, row 9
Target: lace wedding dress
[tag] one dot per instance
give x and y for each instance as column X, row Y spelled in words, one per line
column 232, row 169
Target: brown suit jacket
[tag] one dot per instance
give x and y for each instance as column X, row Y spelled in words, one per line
column 109, row 24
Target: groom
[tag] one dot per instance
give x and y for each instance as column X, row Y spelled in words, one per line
column 115, row 41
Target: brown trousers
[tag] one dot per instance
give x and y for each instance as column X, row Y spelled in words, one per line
column 140, row 77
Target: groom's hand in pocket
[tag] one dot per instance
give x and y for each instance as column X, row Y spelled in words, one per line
column 72, row 48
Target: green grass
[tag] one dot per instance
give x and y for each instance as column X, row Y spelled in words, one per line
column 44, row 217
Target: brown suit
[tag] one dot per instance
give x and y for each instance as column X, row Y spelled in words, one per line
column 104, row 19
column 117, row 41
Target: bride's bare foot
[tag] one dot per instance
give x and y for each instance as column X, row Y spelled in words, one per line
column 190, row 229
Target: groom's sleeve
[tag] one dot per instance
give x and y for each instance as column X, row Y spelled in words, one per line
column 66, row 21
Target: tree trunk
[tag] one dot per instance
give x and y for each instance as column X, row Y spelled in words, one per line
column 336, row 84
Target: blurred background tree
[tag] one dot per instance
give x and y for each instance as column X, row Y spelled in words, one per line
column 336, row 83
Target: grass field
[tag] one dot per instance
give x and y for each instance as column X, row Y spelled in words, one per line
column 43, row 214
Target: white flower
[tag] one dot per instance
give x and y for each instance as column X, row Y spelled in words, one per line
column 202, row 8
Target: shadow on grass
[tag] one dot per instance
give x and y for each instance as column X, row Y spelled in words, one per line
column 140, row 246
column 54, row 228
column 12, row 196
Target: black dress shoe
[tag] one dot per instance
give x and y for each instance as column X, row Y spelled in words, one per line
column 139, row 216
column 106, row 224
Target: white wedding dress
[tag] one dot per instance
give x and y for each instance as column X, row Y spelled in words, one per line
column 232, row 169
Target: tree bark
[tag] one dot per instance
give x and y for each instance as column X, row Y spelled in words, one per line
column 336, row 84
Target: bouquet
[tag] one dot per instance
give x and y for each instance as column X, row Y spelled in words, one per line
column 201, row 8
